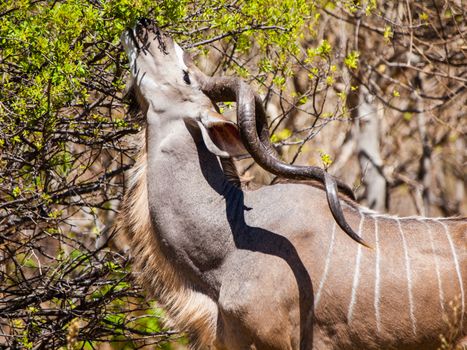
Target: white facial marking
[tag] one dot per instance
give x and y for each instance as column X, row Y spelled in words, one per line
column 179, row 53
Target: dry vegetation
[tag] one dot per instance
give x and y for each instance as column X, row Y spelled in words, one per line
column 375, row 91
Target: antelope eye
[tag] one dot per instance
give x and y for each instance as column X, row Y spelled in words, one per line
column 186, row 77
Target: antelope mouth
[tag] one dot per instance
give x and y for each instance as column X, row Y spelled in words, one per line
column 142, row 35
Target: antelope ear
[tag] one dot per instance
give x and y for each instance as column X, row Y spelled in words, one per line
column 221, row 136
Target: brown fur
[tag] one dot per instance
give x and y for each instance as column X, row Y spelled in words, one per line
column 189, row 310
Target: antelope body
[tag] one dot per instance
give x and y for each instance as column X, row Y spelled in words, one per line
column 270, row 268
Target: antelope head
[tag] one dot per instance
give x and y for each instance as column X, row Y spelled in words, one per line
column 163, row 72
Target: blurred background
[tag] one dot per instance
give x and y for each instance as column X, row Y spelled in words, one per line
column 374, row 90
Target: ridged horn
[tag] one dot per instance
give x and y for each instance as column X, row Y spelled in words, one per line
column 251, row 119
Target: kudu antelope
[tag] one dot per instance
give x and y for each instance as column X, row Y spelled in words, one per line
column 269, row 268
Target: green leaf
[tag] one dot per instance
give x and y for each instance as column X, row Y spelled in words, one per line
column 324, row 49
column 351, row 61
column 326, row 159
column 388, row 33
column 16, row 192
column 281, row 135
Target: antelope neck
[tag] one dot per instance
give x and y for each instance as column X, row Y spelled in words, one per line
column 188, row 196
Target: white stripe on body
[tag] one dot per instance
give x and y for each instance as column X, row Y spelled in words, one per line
column 458, row 270
column 326, row 266
column 437, row 266
column 409, row 279
column 356, row 277
column 377, row 279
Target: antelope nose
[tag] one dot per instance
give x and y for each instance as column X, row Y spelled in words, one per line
column 144, row 21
